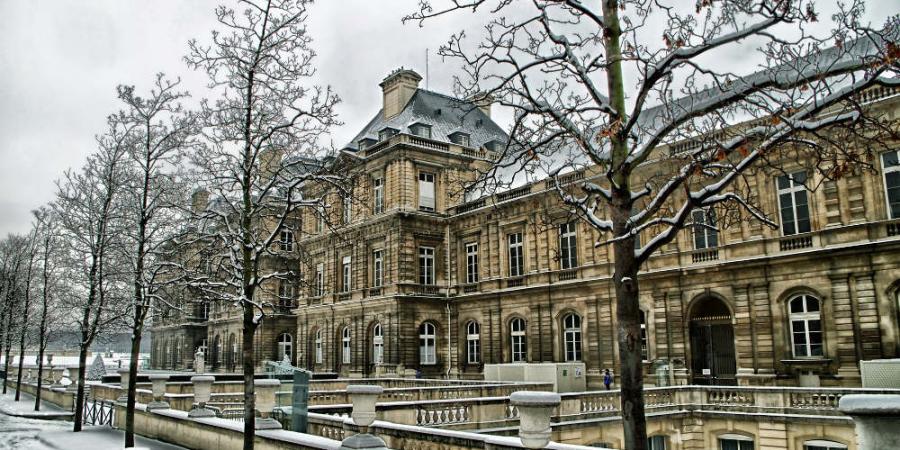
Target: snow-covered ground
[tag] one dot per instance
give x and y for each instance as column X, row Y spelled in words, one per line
column 19, row 433
column 111, row 361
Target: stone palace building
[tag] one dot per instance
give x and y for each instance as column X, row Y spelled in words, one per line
column 408, row 276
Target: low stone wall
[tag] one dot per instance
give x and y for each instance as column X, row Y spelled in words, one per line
column 58, row 396
column 176, row 427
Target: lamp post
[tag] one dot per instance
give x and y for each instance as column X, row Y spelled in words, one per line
column 202, row 391
column 363, row 397
column 158, row 380
column 535, row 409
column 265, row 404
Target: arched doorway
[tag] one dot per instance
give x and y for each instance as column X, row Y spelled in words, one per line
column 712, row 343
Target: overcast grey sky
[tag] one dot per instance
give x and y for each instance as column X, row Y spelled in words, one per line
column 62, row 59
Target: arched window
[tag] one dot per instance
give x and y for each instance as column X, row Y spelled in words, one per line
column 377, row 344
column 231, row 347
column 572, row 337
column 179, row 344
column 427, row 354
column 806, row 326
column 518, row 340
column 318, row 343
column 285, row 347
column 345, row 345
column 819, row 444
column 473, row 342
column 166, row 353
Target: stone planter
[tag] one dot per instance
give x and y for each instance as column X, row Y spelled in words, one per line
column 202, row 389
column 265, row 403
column 535, row 409
column 158, row 380
column 876, row 417
column 363, row 397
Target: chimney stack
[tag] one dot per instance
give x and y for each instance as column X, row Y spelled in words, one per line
column 483, row 101
column 397, row 88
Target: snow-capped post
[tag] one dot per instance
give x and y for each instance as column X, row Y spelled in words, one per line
column 73, row 379
column 876, row 417
column 535, row 409
column 123, row 384
column 158, row 380
column 202, row 391
column 364, row 397
column 265, row 403
column 661, row 135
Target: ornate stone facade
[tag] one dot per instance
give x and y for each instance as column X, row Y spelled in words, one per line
column 411, row 279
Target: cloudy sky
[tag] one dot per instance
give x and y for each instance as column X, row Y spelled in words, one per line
column 62, row 59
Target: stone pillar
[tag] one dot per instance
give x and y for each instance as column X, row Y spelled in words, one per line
column 764, row 340
column 876, row 417
column 123, row 385
column 743, row 336
column 845, row 327
column 868, row 316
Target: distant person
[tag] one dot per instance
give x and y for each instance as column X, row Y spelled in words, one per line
column 607, row 379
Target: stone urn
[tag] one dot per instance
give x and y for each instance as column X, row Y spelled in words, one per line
column 123, row 385
column 158, row 380
column 535, row 408
column 202, row 391
column 265, row 403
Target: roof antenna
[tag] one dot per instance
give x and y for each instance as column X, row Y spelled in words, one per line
column 426, row 70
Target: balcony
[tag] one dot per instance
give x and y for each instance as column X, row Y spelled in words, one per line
column 893, row 228
column 374, row 292
column 795, row 242
column 566, row 275
column 703, row 255
column 515, row 282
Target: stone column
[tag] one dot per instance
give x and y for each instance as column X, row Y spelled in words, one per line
column 202, row 391
column 876, row 417
column 364, row 397
column 845, row 327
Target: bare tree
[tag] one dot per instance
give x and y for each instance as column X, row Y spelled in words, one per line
column 86, row 211
column 263, row 132
column 11, row 251
column 613, row 84
column 160, row 131
column 27, row 255
column 46, row 230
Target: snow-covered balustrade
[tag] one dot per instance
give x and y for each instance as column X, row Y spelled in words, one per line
column 430, row 392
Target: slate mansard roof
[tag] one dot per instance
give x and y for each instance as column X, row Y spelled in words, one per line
column 446, row 115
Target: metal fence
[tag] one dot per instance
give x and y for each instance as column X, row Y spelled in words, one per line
column 98, row 412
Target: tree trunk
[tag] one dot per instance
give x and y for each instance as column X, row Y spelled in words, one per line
column 132, row 389
column 248, row 365
column 79, row 394
column 21, row 357
column 40, row 373
column 8, row 345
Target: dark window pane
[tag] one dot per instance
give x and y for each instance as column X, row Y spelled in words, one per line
column 783, row 182
column 797, row 305
column 812, row 304
column 815, row 325
column 799, row 177
column 890, row 159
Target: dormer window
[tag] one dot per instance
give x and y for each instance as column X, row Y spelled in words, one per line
column 459, row 138
column 366, row 143
column 421, row 130
column 492, row 145
column 386, row 133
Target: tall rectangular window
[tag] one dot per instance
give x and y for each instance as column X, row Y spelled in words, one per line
column 568, row 246
column 426, row 265
column 348, row 208
column 320, row 219
column 286, row 240
column 378, row 195
column 320, row 279
column 285, row 293
column 706, row 235
column 890, row 162
column 345, row 274
column 516, row 256
column 426, row 191
column 472, row 262
column 377, row 268
column 793, row 203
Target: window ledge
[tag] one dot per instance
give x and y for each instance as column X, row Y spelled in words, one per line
column 807, row 361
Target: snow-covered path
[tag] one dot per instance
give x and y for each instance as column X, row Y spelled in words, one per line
column 19, row 433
